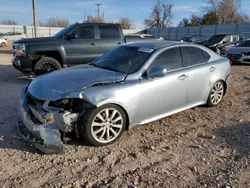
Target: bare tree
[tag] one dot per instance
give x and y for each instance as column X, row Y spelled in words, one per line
column 227, row 11
column 125, row 23
column 9, row 22
column 161, row 15
column 55, row 22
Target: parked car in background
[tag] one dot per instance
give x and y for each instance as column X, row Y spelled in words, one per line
column 3, row 42
column 222, row 42
column 1, row 35
column 198, row 39
column 240, row 53
column 131, row 85
column 138, row 37
column 13, row 36
column 76, row 44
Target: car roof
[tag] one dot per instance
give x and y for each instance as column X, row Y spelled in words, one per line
column 156, row 44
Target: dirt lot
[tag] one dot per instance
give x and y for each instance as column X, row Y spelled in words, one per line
column 201, row 147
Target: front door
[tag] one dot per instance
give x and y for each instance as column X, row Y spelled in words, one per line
column 167, row 94
column 84, row 48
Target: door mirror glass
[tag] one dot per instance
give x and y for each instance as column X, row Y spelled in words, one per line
column 71, row 36
column 157, row 72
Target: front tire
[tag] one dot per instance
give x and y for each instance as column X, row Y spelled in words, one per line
column 3, row 44
column 45, row 65
column 103, row 125
column 216, row 94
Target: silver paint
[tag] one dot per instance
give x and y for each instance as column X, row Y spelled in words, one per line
column 144, row 99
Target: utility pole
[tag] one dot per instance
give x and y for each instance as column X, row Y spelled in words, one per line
column 98, row 10
column 34, row 17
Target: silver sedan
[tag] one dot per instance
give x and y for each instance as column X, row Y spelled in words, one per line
column 131, row 85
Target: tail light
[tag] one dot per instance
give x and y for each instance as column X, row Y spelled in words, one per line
column 231, row 63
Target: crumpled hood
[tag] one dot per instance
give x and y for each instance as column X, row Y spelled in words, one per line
column 238, row 50
column 57, row 85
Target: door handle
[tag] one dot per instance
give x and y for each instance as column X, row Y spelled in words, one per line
column 212, row 69
column 119, row 43
column 92, row 43
column 183, row 77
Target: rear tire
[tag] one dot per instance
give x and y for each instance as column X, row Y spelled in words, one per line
column 45, row 65
column 103, row 125
column 216, row 94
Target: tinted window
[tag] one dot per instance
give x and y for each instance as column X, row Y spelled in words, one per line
column 192, row 56
column 85, row 32
column 169, row 59
column 107, row 32
column 124, row 59
column 245, row 44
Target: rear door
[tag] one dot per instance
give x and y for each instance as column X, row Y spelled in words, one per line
column 110, row 37
column 200, row 72
column 83, row 49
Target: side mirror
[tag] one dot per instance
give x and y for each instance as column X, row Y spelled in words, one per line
column 71, row 36
column 157, row 72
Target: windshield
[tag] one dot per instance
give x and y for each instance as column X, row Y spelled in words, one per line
column 64, row 31
column 124, row 59
column 216, row 38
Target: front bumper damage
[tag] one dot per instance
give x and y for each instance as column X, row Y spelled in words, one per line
column 41, row 125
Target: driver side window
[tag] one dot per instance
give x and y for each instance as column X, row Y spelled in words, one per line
column 170, row 59
column 85, row 32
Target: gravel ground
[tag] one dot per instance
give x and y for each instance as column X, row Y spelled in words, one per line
column 201, row 147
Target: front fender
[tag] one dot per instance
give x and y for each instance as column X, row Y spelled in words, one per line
column 34, row 49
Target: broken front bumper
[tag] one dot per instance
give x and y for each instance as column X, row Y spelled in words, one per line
column 45, row 138
column 40, row 125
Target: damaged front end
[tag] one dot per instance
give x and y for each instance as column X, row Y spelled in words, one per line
column 44, row 123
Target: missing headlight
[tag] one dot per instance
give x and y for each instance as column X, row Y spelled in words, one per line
column 72, row 105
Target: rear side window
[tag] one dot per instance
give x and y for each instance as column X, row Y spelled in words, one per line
column 206, row 56
column 169, row 59
column 108, row 32
column 236, row 38
column 192, row 56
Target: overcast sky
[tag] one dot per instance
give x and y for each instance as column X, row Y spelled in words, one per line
column 74, row 10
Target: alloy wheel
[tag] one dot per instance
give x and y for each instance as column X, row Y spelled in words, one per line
column 48, row 67
column 217, row 93
column 107, row 125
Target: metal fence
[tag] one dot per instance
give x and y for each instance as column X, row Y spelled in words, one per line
column 176, row 33
column 41, row 31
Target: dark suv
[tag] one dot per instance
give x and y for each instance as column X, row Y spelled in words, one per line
column 75, row 44
column 222, row 42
